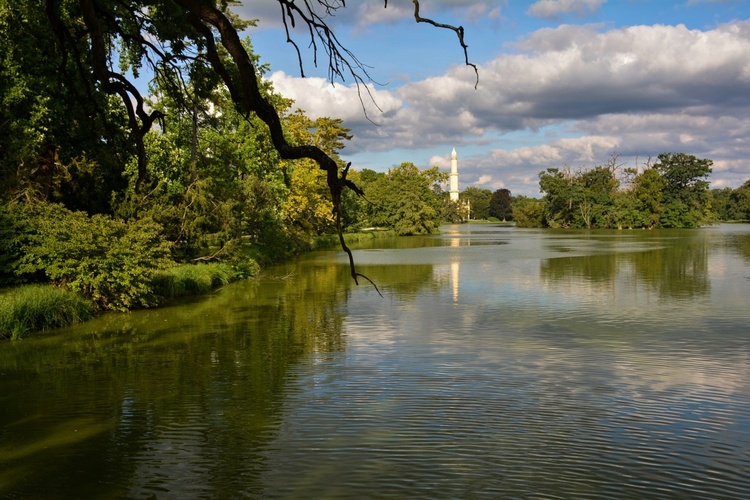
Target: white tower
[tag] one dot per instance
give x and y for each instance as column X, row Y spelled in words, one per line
column 454, row 176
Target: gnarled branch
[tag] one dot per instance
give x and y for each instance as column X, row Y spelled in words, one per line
column 459, row 30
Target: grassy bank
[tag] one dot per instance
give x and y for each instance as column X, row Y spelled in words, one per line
column 28, row 308
column 331, row 241
column 196, row 279
column 31, row 308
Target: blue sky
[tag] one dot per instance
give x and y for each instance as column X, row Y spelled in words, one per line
column 563, row 84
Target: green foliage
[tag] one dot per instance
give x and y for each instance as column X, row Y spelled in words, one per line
column 649, row 192
column 106, row 260
column 722, row 203
column 685, row 189
column 560, row 195
column 740, row 202
column 501, row 204
column 403, row 199
column 14, row 233
column 59, row 141
column 528, row 212
column 672, row 193
column 32, row 308
column 479, row 200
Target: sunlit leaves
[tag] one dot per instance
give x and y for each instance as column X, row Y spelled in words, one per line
column 671, row 193
column 403, row 199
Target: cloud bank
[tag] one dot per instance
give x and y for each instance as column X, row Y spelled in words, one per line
column 578, row 93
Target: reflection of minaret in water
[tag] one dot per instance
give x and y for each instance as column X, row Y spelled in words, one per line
column 455, row 270
column 454, row 176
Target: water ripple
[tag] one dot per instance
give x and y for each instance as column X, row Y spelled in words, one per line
column 444, row 433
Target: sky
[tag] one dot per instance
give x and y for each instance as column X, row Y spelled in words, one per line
column 562, row 84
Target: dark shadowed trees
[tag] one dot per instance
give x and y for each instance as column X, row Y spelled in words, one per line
column 501, row 204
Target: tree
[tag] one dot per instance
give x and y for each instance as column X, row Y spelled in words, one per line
column 190, row 46
column 671, row 193
column 649, row 191
column 599, row 187
column 740, row 202
column 685, row 193
column 501, row 204
column 721, row 202
column 403, row 199
column 61, row 140
column 528, row 212
column 479, row 200
column 561, row 195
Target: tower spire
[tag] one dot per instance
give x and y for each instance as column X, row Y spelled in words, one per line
column 454, row 176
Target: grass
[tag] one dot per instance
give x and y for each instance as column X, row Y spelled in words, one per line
column 30, row 308
column 330, row 241
column 195, row 279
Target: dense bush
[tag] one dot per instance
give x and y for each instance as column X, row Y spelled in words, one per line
column 15, row 230
column 106, row 260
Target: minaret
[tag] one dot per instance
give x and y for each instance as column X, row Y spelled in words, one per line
column 454, row 176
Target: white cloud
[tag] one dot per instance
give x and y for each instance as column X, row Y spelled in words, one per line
column 554, row 9
column 635, row 91
column 318, row 97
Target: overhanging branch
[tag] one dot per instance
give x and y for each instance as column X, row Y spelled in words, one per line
column 459, row 30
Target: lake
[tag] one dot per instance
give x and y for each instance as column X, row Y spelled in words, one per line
column 499, row 363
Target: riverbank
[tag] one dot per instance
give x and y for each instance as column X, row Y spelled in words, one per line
column 31, row 308
column 37, row 307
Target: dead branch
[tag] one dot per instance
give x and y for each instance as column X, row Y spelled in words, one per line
column 459, row 30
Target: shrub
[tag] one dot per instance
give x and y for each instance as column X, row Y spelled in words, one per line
column 31, row 308
column 104, row 259
column 15, row 230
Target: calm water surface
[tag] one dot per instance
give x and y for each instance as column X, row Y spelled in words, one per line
column 500, row 363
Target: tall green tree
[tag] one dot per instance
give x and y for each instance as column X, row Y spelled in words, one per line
column 562, row 193
column 403, row 199
column 479, row 199
column 740, row 203
column 685, row 193
column 501, row 204
column 597, row 197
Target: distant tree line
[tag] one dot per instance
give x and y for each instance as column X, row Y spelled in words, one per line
column 671, row 192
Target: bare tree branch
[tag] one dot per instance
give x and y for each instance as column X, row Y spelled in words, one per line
column 459, row 30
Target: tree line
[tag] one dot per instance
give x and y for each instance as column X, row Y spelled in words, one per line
column 670, row 192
